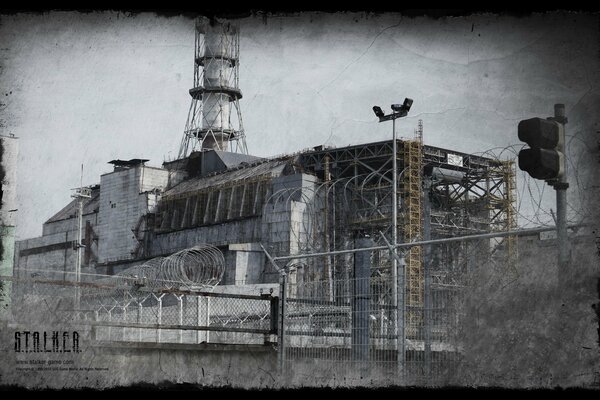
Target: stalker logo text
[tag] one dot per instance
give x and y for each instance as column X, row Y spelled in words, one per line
column 47, row 342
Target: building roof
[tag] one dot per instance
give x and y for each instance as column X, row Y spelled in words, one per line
column 70, row 210
column 234, row 159
column 266, row 168
column 128, row 163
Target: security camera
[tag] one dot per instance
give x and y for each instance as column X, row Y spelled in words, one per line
column 378, row 112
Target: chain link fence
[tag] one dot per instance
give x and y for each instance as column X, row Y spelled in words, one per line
column 123, row 309
column 344, row 318
column 365, row 328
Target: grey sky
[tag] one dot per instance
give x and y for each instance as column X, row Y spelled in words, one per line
column 88, row 88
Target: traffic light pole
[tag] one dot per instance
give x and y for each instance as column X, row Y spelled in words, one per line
column 546, row 159
column 561, row 186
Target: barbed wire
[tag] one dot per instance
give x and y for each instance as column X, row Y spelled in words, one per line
column 200, row 266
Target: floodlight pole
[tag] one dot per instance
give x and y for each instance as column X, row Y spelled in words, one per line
column 397, row 301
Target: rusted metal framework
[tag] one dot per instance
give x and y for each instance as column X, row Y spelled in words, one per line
column 464, row 194
column 472, row 194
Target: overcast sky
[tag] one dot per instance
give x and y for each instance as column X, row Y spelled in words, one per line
column 89, row 88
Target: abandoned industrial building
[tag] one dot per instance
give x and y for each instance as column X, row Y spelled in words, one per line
column 139, row 212
column 218, row 222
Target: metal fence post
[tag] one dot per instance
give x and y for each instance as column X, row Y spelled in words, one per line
column 399, row 305
column 401, row 316
column 198, row 321
column 361, row 302
column 427, row 305
column 207, row 334
column 274, row 320
column 281, row 320
column 180, row 300
column 95, row 327
column 139, row 319
column 159, row 318
column 124, row 330
column 109, row 327
column 202, row 318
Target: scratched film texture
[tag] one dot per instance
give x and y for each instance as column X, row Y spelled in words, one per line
column 91, row 87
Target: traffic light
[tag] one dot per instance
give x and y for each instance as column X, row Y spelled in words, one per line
column 545, row 158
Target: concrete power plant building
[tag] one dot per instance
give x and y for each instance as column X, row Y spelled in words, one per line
column 316, row 200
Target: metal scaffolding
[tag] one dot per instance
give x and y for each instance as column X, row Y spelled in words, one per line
column 413, row 227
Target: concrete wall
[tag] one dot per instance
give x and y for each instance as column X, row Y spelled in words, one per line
column 213, row 365
column 127, row 195
column 287, row 218
column 122, row 204
column 132, row 191
column 69, row 224
column 239, row 231
column 229, row 274
column 249, row 261
column 153, row 178
column 51, row 252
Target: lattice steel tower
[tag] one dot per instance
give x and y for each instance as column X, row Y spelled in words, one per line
column 215, row 119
